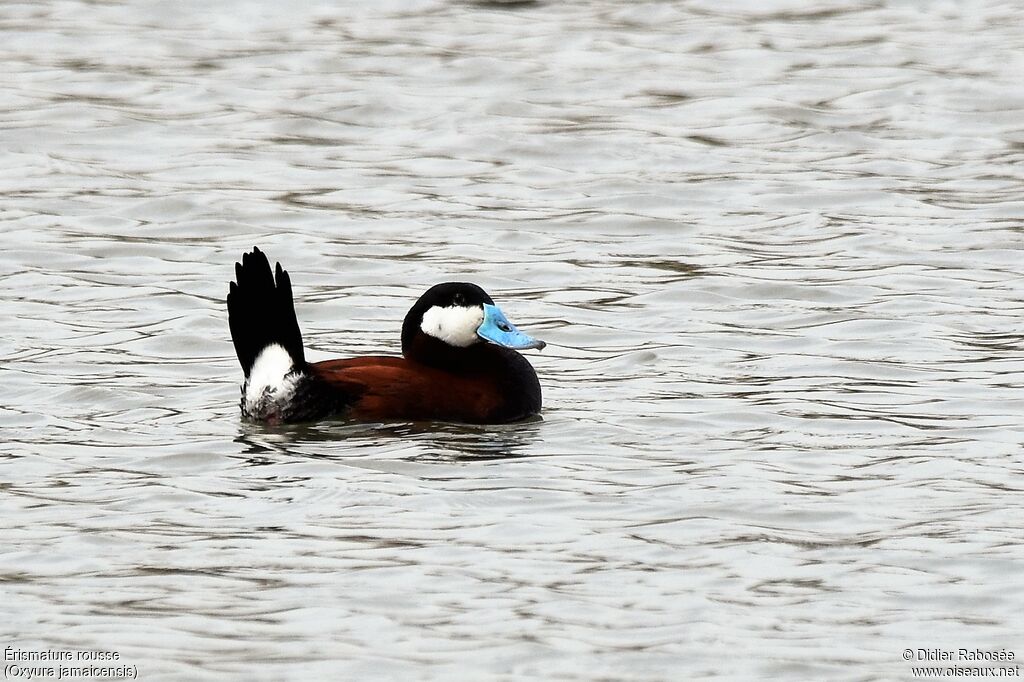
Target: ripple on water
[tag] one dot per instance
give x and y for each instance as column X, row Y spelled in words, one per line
column 774, row 250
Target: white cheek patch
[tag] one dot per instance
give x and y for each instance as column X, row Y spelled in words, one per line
column 455, row 325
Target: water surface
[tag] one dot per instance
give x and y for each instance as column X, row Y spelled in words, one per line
column 775, row 250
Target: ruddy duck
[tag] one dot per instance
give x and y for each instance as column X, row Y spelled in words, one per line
column 459, row 359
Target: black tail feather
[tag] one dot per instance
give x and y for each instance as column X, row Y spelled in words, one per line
column 261, row 313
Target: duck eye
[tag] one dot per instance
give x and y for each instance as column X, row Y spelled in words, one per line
column 459, row 299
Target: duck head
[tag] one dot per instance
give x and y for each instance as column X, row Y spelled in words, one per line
column 459, row 315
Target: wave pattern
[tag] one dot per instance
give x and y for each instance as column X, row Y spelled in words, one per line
column 775, row 249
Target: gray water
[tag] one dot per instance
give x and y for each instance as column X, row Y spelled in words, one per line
column 775, row 249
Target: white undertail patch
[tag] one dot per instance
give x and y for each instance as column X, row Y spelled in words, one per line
column 271, row 383
column 455, row 325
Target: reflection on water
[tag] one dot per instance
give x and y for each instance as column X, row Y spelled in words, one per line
column 432, row 441
column 776, row 250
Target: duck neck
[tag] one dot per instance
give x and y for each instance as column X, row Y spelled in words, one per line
column 427, row 350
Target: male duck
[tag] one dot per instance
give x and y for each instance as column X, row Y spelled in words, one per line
column 459, row 359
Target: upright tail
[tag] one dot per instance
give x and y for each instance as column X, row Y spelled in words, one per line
column 261, row 313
